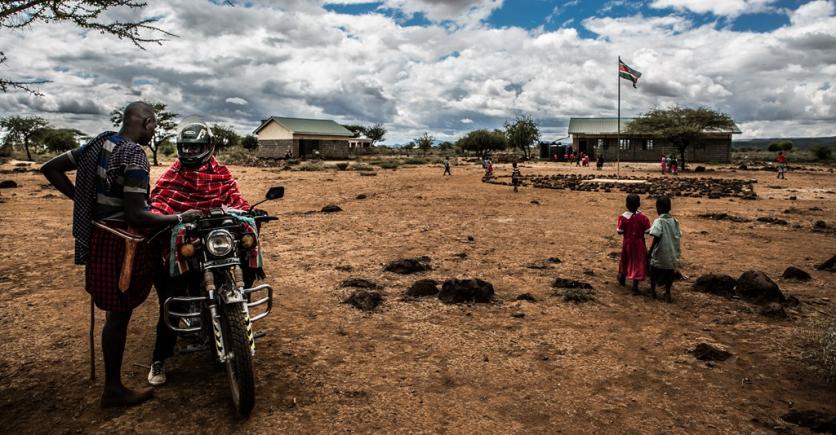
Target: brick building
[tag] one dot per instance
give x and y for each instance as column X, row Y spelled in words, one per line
column 303, row 138
column 600, row 135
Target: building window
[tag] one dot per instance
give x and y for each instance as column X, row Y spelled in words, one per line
column 648, row 144
column 624, row 144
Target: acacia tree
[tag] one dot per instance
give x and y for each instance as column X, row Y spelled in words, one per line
column 482, row 141
column 166, row 126
column 682, row 126
column 86, row 14
column 356, row 129
column 425, row 142
column 225, row 137
column 249, row 142
column 522, row 133
column 20, row 129
column 376, row 133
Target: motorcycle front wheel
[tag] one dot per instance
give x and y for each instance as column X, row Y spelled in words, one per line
column 239, row 366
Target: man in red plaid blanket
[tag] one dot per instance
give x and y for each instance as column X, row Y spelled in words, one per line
column 196, row 180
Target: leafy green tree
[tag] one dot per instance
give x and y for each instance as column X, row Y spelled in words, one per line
column 21, row 129
column 86, row 14
column 822, row 151
column 355, row 128
column 780, row 145
column 682, row 126
column 376, row 133
column 166, row 125
column 445, row 146
column 225, row 137
column 522, row 133
column 249, row 142
column 59, row 139
column 425, row 142
column 482, row 141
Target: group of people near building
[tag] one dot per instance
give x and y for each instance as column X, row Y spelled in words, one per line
column 669, row 164
column 112, row 195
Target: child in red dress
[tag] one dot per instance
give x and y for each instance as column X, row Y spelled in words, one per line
column 632, row 224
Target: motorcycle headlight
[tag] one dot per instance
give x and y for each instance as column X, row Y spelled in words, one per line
column 219, row 243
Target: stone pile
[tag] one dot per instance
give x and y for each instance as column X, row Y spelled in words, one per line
column 701, row 187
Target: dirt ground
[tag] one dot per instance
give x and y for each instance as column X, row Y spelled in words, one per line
column 619, row 364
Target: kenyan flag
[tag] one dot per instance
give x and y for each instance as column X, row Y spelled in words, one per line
column 628, row 73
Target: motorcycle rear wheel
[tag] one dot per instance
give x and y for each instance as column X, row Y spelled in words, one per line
column 239, row 366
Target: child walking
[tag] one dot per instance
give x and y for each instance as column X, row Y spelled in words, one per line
column 632, row 224
column 515, row 176
column 781, row 160
column 664, row 252
column 447, row 166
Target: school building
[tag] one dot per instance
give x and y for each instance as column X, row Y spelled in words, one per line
column 595, row 136
column 304, row 138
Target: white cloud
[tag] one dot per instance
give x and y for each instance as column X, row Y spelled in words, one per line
column 300, row 60
column 237, row 101
column 729, row 8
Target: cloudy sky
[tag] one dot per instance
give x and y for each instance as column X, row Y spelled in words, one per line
column 444, row 67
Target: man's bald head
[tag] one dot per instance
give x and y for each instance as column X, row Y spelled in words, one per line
column 139, row 122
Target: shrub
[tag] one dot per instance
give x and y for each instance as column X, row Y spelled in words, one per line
column 310, row 167
column 361, row 167
column 823, row 347
column 578, row 295
column 780, row 145
column 822, row 151
column 342, row 166
column 167, row 149
column 415, row 161
column 392, row 164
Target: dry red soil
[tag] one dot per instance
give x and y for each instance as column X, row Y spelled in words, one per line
column 619, row 364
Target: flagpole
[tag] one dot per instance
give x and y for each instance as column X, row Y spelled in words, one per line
column 618, row 134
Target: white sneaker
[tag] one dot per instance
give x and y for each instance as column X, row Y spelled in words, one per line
column 157, row 374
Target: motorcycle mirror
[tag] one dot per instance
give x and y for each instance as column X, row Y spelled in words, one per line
column 275, row 192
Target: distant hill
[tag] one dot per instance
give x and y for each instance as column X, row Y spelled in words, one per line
column 798, row 142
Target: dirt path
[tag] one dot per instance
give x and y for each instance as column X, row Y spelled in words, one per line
column 621, row 363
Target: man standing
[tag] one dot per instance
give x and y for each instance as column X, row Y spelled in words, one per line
column 112, row 186
column 781, row 160
column 447, row 166
column 196, row 180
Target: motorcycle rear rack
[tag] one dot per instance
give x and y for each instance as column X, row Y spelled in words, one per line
column 265, row 300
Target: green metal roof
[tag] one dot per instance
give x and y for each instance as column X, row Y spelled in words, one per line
column 308, row 126
column 610, row 126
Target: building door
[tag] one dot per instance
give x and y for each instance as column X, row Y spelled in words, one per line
column 583, row 147
column 308, row 149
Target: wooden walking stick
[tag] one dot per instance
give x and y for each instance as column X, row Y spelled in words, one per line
column 92, row 339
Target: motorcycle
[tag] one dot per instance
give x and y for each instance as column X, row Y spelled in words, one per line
column 219, row 300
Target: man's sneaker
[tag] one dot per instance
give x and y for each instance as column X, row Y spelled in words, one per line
column 157, row 374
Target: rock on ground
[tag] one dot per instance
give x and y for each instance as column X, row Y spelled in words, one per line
column 716, row 284
column 364, row 300
column 829, row 265
column 774, row 311
column 577, row 295
column 457, row 291
column 527, row 297
column 406, row 266
column 331, row 208
column 754, row 286
column 814, row 420
column 793, row 272
column 423, row 287
column 360, row 283
column 708, row 352
column 569, row 283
